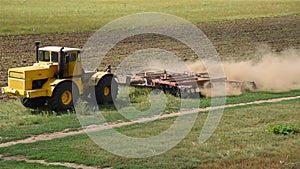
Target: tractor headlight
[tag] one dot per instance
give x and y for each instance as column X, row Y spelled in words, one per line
column 28, row 95
column 2, row 90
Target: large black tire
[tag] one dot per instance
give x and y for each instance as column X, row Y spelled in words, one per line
column 62, row 98
column 106, row 90
column 33, row 103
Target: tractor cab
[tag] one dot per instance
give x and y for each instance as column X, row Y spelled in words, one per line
column 66, row 59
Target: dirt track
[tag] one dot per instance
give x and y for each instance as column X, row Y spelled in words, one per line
column 234, row 40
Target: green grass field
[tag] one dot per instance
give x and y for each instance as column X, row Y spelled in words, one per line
column 17, row 122
column 240, row 141
column 36, row 17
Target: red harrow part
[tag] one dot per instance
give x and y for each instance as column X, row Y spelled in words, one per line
column 186, row 84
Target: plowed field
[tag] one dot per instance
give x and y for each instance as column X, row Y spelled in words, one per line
column 234, row 40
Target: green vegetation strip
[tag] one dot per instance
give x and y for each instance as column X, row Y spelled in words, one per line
column 36, row 17
column 284, row 129
column 139, row 98
column 24, row 165
column 240, row 139
column 17, row 122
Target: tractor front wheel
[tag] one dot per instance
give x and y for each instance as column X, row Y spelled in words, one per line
column 63, row 98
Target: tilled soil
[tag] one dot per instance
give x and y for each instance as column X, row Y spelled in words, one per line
column 233, row 40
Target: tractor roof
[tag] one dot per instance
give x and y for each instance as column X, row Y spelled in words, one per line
column 57, row 49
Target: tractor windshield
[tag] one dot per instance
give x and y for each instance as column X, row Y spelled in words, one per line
column 44, row 56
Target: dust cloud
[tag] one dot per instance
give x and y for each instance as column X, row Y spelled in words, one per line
column 230, row 90
column 269, row 70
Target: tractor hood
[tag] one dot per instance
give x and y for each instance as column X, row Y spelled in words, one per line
column 32, row 72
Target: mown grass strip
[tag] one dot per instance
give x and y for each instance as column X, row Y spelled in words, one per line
column 4, row 164
column 16, row 122
column 240, row 139
column 53, row 164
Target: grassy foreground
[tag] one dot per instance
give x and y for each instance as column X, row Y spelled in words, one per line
column 36, row 17
column 240, row 141
column 17, row 122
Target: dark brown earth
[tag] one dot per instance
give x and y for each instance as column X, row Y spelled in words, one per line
column 233, row 40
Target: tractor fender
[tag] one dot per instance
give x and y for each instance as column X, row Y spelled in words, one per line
column 56, row 82
column 94, row 80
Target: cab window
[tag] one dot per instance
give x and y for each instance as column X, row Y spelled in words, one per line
column 72, row 56
column 44, row 56
column 54, row 56
column 79, row 57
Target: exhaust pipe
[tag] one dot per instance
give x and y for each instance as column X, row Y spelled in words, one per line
column 37, row 45
column 60, row 64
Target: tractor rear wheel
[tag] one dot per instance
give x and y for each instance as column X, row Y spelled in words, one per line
column 33, row 103
column 106, row 90
column 63, row 98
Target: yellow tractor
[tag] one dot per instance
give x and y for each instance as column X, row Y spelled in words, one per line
column 57, row 80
